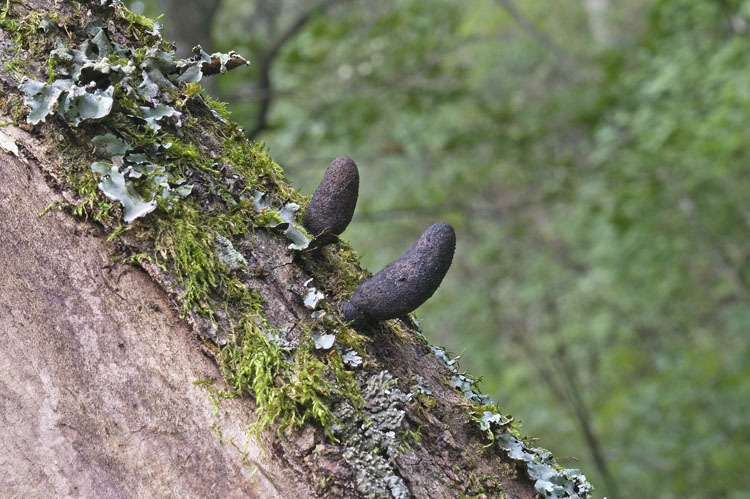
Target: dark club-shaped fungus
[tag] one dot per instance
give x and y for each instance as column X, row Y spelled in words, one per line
column 332, row 205
column 406, row 283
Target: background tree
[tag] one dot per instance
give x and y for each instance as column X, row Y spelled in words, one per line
column 593, row 157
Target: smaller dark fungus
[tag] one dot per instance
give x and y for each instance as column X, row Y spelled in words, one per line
column 406, row 283
column 332, row 205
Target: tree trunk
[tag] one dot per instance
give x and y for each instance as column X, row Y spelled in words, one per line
column 108, row 392
column 596, row 13
column 98, row 394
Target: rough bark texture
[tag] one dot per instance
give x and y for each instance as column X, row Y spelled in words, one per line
column 97, row 392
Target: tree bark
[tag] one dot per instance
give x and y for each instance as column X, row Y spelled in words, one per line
column 98, row 393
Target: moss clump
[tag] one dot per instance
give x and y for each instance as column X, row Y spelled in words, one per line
column 480, row 487
column 252, row 162
column 20, row 29
column 182, row 241
column 83, row 182
column 409, row 436
column 337, row 268
column 140, row 27
column 289, row 392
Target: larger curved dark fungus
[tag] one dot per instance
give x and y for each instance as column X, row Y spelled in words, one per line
column 332, row 205
column 406, row 283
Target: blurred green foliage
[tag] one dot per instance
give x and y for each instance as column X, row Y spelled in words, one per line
column 599, row 184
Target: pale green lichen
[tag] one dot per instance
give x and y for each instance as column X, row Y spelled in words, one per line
column 135, row 182
column 370, row 436
column 72, row 101
column 283, row 218
column 228, row 255
column 549, row 478
column 116, row 188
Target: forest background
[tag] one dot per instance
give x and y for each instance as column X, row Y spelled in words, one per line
column 594, row 158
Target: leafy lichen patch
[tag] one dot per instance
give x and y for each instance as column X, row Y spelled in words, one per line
column 228, row 255
column 370, row 435
column 550, row 479
column 284, row 218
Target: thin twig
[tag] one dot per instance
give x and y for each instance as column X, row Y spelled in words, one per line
column 563, row 59
column 266, row 60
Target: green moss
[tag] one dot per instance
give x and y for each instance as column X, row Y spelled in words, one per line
column 136, row 21
column 216, row 395
column 11, row 104
column 336, row 268
column 16, row 64
column 218, row 106
column 185, row 243
column 137, row 135
column 251, row 161
column 478, row 486
column 26, row 31
column 115, row 59
column 7, row 22
column 348, row 337
column 181, row 150
column 141, row 27
column 51, row 70
column 287, row 392
column 345, row 379
column 408, row 436
column 135, row 258
column 90, row 203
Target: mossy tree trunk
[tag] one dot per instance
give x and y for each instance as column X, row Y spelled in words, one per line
column 118, row 338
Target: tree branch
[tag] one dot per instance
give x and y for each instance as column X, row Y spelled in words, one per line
column 562, row 58
column 267, row 58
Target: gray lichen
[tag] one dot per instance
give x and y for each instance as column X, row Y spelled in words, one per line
column 370, row 441
column 72, row 101
column 137, row 180
column 542, row 468
column 350, row 357
column 312, row 296
column 420, row 386
column 228, row 255
column 283, row 219
column 114, row 185
column 88, row 76
column 550, row 480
